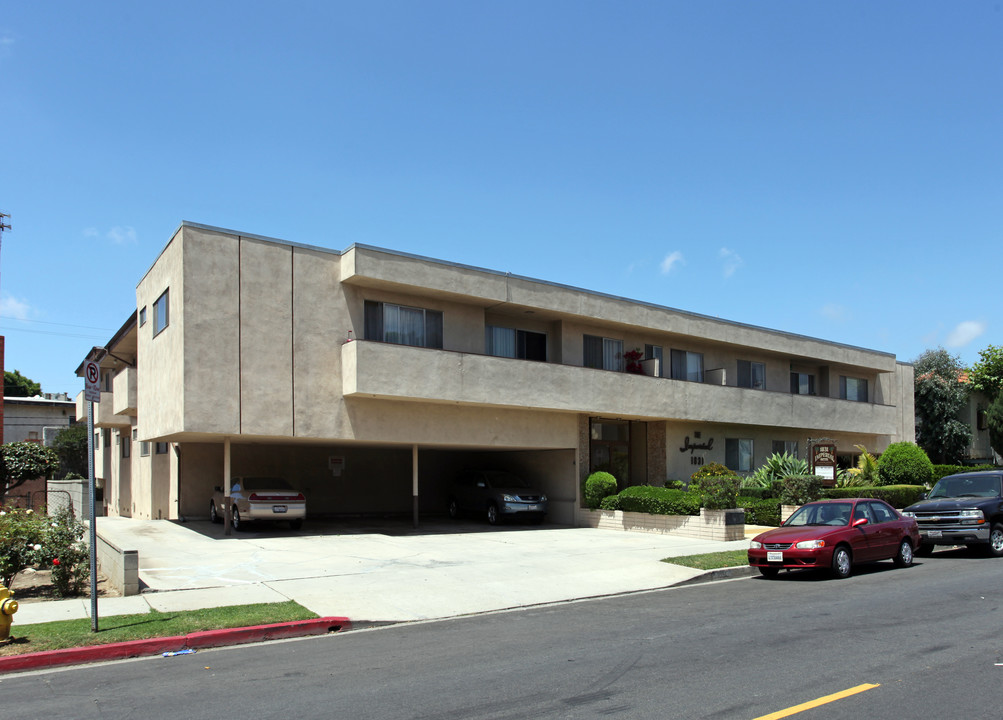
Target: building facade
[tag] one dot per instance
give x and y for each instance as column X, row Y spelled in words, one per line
column 370, row 378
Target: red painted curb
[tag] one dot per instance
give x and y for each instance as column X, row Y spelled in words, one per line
column 155, row 646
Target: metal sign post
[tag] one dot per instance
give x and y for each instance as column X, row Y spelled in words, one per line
column 92, row 394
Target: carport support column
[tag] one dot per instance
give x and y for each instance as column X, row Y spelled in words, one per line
column 414, row 483
column 226, row 486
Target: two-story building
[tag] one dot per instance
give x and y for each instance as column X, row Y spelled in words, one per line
column 370, row 378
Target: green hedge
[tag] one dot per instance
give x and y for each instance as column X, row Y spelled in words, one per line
column 940, row 471
column 898, row 496
column 658, row 501
column 598, row 485
column 720, row 492
column 610, row 502
column 799, row 489
column 760, row 511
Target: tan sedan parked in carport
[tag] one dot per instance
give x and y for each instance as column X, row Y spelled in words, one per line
column 259, row 498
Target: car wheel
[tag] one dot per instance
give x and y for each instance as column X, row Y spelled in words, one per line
column 454, row 509
column 924, row 550
column 769, row 572
column 996, row 540
column 841, row 562
column 213, row 515
column 296, row 524
column 235, row 519
column 492, row 514
column 904, row 556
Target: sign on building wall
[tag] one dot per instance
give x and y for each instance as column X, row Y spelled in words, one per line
column 692, row 446
column 337, row 464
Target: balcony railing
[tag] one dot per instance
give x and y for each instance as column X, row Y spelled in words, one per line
column 379, row 370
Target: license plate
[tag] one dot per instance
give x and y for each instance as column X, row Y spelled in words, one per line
column 774, row 556
column 279, row 508
column 934, row 533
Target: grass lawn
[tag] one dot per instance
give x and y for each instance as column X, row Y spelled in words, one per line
column 118, row 628
column 712, row 561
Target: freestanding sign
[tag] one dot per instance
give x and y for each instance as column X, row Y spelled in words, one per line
column 92, row 394
column 823, row 460
column 92, row 382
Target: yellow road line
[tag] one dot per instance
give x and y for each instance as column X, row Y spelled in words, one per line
column 816, row 703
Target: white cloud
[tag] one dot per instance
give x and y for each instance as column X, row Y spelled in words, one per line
column 671, row 260
column 834, row 311
column 14, row 308
column 964, row 333
column 91, row 232
column 122, row 235
column 732, row 261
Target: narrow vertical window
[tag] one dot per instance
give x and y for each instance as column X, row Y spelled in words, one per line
column 161, row 312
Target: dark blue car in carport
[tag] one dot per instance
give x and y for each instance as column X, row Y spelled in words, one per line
column 496, row 494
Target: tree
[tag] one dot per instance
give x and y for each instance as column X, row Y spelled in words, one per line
column 17, row 385
column 71, row 445
column 24, row 461
column 940, row 396
column 986, row 375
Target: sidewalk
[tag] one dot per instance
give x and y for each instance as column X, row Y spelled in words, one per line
column 385, row 573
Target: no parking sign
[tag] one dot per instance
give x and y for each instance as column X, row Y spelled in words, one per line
column 92, row 381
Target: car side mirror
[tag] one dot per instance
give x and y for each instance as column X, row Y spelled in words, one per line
column 859, row 521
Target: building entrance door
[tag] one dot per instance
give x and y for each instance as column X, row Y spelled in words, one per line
column 609, row 449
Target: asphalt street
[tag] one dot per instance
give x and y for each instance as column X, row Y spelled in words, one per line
column 922, row 642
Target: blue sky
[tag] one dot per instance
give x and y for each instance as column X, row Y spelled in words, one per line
column 829, row 169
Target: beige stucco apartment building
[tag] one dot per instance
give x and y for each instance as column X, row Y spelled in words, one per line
column 370, row 378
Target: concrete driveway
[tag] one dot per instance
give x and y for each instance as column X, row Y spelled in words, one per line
column 389, row 572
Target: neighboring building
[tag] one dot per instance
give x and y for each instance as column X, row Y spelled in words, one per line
column 37, row 419
column 34, row 419
column 370, row 378
column 980, row 451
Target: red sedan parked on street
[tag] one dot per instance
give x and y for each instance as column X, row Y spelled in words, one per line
column 834, row 535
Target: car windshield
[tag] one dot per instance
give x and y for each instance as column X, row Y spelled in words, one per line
column 821, row 514
column 265, row 483
column 500, row 479
column 966, row 486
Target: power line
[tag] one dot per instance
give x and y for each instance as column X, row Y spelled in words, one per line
column 9, row 329
column 46, row 322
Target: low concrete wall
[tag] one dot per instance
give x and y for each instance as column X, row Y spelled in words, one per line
column 121, row 567
column 75, row 493
column 708, row 525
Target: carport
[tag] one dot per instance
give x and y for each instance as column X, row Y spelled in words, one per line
column 366, row 480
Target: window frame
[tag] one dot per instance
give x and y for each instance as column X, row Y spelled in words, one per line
column 374, row 322
column 162, row 312
column 679, row 364
column 796, row 383
column 747, row 374
column 858, row 384
column 604, row 352
column 733, row 448
column 520, row 342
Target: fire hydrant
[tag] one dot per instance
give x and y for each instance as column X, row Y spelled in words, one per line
column 8, row 606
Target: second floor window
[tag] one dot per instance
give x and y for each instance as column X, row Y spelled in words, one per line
column 603, row 353
column 752, row 374
column 512, row 343
column 853, row 388
column 802, row 383
column 161, row 312
column 687, row 366
column 402, row 325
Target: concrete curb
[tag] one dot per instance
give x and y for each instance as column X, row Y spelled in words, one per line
column 155, row 646
column 721, row 574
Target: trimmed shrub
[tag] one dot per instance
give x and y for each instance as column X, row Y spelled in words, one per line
column 800, row 489
column 597, row 486
column 659, row 501
column 905, row 463
column 719, row 493
column 760, row 511
column 712, row 470
column 675, row 484
column 940, row 471
column 610, row 502
column 898, row 496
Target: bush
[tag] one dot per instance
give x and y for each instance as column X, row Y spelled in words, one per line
column 898, row 496
column 610, row 502
column 597, row 486
column 23, row 461
column 711, row 470
column 719, row 493
column 777, row 467
column 905, row 463
column 940, row 471
column 760, row 511
column 800, row 489
column 66, row 553
column 659, row 501
column 675, row 484
column 22, row 533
